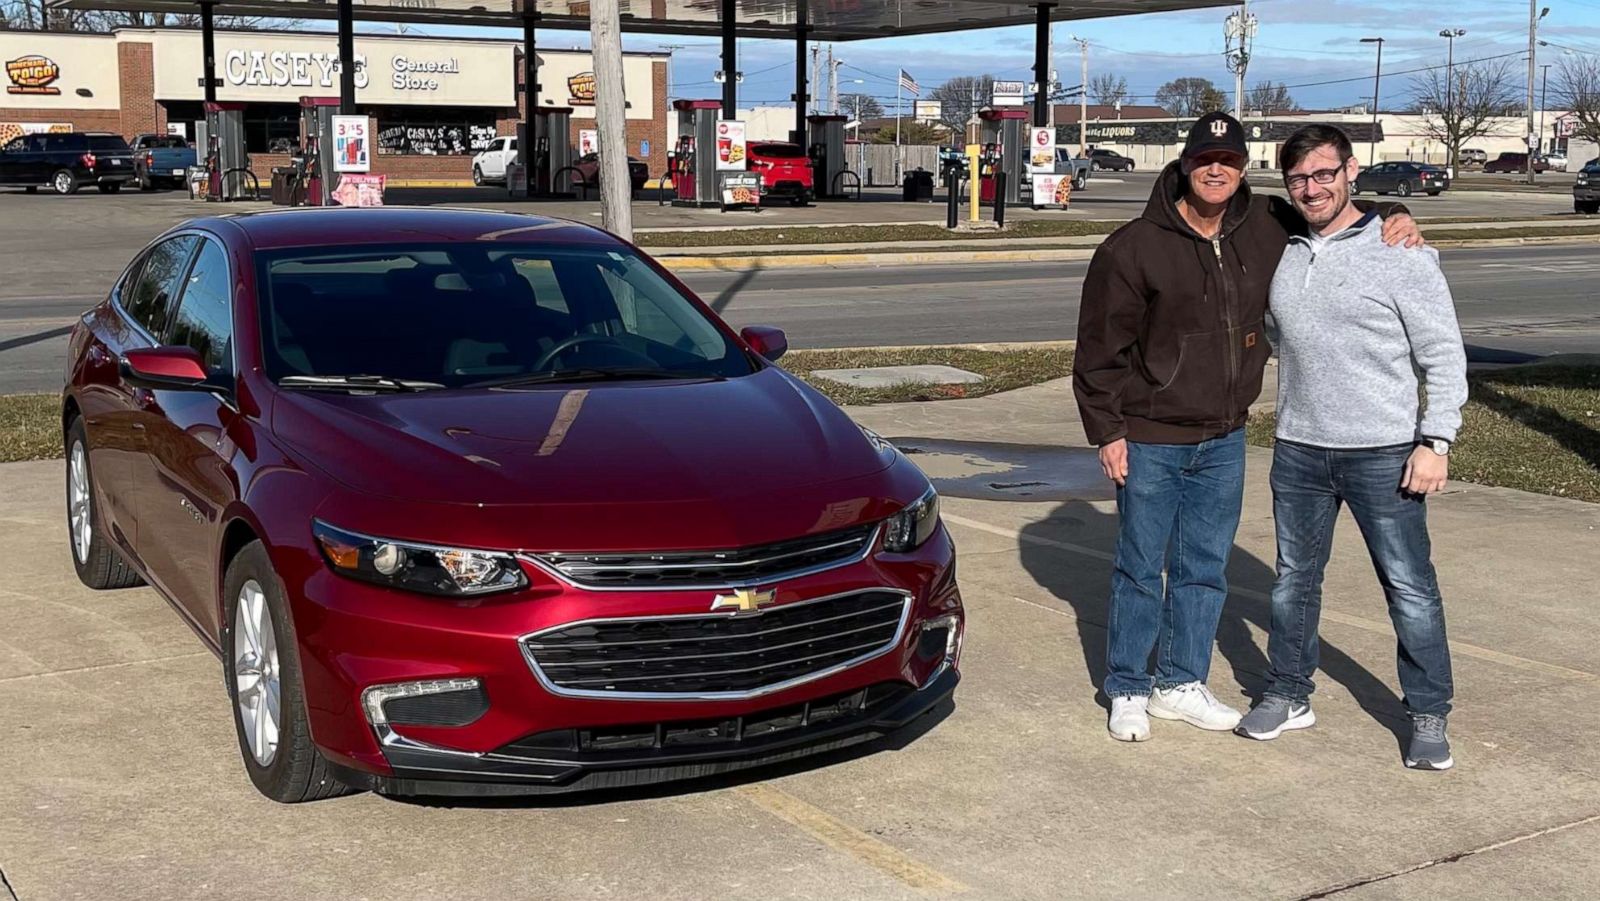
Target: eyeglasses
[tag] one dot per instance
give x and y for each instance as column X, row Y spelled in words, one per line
column 1321, row 177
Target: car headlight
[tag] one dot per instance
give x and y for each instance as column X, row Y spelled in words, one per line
column 424, row 568
column 912, row 527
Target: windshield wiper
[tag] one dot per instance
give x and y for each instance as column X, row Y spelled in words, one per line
column 591, row 375
column 356, row 383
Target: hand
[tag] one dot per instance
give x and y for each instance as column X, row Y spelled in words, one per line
column 1114, row 461
column 1426, row 472
column 1400, row 228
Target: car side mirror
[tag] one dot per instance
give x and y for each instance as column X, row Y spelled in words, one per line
column 170, row 367
column 765, row 340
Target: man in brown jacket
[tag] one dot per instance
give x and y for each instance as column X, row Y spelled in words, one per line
column 1171, row 349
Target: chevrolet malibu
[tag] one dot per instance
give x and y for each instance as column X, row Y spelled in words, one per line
column 478, row 503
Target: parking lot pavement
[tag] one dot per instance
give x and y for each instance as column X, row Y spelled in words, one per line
column 122, row 778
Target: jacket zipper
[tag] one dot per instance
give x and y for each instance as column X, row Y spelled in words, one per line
column 1227, row 321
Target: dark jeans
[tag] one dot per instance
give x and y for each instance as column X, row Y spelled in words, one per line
column 1180, row 510
column 1308, row 485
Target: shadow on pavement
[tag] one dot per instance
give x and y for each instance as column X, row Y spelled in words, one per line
column 1491, row 390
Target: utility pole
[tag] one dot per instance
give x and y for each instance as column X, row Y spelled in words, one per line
column 1544, row 98
column 605, row 34
column 816, row 75
column 1450, row 127
column 833, row 82
column 1240, row 30
column 1377, row 82
column 1083, row 96
column 1534, row 16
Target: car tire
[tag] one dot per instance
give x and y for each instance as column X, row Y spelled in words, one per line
column 477, row 176
column 1080, row 181
column 1094, row 166
column 146, row 183
column 1354, row 189
column 99, row 565
column 1130, row 167
column 1588, row 209
column 288, row 768
column 64, row 182
column 1404, row 190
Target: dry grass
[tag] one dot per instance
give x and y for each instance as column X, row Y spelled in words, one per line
column 30, row 427
column 1002, row 370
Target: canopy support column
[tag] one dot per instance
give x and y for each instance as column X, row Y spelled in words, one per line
column 208, row 51
column 730, row 60
column 1041, row 65
column 802, row 26
column 347, row 57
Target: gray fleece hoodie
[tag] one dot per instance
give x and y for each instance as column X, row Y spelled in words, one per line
column 1355, row 322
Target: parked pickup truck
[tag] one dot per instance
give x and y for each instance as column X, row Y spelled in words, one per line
column 1077, row 167
column 161, row 161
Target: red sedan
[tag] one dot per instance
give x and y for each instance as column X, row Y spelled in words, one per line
column 474, row 503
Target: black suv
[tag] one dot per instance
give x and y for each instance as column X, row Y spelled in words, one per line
column 1109, row 159
column 66, row 162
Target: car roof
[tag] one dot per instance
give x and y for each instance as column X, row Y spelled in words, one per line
column 353, row 226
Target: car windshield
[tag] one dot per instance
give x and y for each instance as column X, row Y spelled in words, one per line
column 465, row 315
column 779, row 151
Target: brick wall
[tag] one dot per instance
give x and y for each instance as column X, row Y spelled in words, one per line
column 79, row 119
column 137, row 73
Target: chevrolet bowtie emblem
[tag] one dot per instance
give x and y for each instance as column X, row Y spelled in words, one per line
column 745, row 600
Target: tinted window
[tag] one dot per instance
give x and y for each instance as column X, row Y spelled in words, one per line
column 61, row 143
column 151, row 298
column 778, row 151
column 204, row 319
column 108, row 144
column 464, row 315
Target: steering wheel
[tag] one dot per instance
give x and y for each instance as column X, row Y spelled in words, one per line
column 567, row 344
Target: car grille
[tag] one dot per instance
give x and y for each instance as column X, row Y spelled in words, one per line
column 718, row 654
column 714, row 569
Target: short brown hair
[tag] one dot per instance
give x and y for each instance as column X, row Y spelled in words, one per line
column 1309, row 138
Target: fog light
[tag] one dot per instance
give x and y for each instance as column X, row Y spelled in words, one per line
column 953, row 634
column 388, row 559
column 454, row 712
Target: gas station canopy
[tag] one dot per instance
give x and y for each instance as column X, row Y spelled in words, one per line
column 829, row 20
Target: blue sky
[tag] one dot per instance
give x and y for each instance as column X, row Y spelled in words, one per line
column 1300, row 43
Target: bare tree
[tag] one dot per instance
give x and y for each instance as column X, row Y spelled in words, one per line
column 1190, row 97
column 960, row 98
column 1578, row 89
column 1270, row 97
column 1472, row 107
column 1106, row 89
column 32, row 15
column 860, row 106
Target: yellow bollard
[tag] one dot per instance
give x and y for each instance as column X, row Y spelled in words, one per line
column 972, row 182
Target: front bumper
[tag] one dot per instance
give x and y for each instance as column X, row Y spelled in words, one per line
column 1589, row 193
column 353, row 636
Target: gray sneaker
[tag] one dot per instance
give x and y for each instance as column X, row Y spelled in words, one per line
column 1430, row 747
column 1275, row 716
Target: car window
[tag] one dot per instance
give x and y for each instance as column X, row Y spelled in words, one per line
column 778, row 151
column 511, row 143
column 204, row 320
column 16, row 145
column 464, row 315
column 58, row 143
column 153, row 292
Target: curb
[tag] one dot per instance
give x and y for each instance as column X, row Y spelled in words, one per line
column 935, row 257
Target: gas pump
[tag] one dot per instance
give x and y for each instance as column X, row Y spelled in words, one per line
column 548, row 153
column 1005, row 149
column 694, row 167
column 316, row 143
column 827, row 155
column 225, row 159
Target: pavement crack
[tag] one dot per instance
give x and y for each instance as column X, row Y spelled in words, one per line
column 10, row 893
column 1447, row 859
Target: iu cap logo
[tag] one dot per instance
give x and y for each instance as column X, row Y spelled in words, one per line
column 1219, row 127
column 745, row 600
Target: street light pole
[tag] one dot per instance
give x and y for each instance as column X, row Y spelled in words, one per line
column 1377, row 81
column 1534, row 17
column 1450, row 128
column 1544, row 96
column 1083, row 96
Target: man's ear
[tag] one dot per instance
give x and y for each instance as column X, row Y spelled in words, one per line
column 1352, row 168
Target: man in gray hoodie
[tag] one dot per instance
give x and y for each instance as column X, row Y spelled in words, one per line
column 1356, row 322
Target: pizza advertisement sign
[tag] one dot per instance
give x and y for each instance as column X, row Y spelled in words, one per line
column 740, row 189
column 32, row 74
column 1052, row 190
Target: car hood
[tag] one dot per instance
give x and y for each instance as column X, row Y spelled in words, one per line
column 685, row 452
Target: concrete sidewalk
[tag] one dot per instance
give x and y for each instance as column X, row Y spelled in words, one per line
column 122, row 779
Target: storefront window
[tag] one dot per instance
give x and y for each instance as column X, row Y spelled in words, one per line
column 434, row 131
column 268, row 127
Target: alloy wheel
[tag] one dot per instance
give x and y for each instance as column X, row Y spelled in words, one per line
column 78, row 512
column 255, row 672
column 63, row 182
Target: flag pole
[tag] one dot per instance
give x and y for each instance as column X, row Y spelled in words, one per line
column 899, row 88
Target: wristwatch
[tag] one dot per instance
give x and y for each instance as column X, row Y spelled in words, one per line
column 1437, row 445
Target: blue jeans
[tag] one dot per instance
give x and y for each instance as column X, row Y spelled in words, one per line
column 1308, row 486
column 1180, row 510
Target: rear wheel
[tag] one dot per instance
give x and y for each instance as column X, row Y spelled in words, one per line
column 64, row 182
column 1094, row 166
column 1080, row 181
column 477, row 176
column 1405, row 189
column 1130, row 166
column 261, row 662
column 99, row 565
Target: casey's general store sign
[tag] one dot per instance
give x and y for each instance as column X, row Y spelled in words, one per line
column 32, row 74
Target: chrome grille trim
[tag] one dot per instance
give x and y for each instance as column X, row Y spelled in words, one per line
column 572, row 568
column 869, row 652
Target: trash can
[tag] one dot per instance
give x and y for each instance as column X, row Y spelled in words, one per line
column 285, row 179
column 917, row 186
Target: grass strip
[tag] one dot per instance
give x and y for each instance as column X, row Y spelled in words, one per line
column 1002, row 370
column 872, row 234
column 30, row 427
column 1532, row 428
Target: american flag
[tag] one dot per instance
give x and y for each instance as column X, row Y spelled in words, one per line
column 909, row 83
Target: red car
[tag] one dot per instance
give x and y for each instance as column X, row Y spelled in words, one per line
column 475, row 503
column 785, row 170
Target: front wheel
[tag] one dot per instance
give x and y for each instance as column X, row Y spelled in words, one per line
column 477, row 176
column 99, row 565
column 1130, row 167
column 64, row 182
column 261, row 662
column 1404, row 189
column 1095, row 167
column 1080, row 181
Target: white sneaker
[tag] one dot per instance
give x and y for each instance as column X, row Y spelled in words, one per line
column 1128, row 719
column 1193, row 703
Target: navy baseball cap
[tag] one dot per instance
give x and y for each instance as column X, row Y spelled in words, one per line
column 1215, row 131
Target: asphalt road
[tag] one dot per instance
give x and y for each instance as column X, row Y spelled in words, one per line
column 1512, row 300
